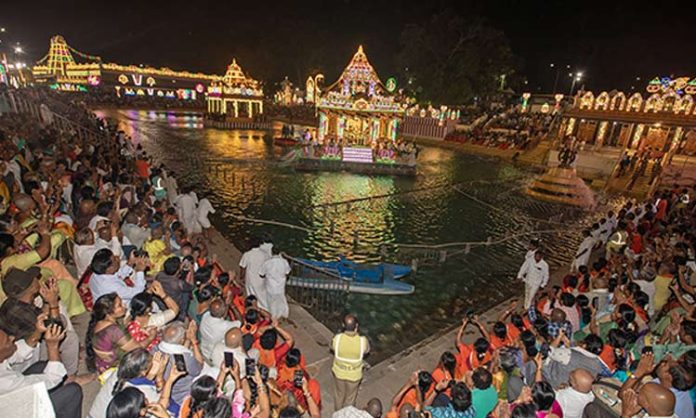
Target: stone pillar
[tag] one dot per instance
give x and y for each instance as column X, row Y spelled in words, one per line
column 261, row 107
column 236, row 109
column 250, row 106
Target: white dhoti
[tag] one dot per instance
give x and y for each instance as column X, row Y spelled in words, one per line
column 530, row 290
column 257, row 287
column 278, row 306
column 191, row 224
column 580, row 261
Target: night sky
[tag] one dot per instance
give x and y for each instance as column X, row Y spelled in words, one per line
column 612, row 43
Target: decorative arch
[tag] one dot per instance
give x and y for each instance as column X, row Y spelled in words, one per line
column 587, row 100
column 602, row 101
column 669, row 101
column 634, row 103
column 684, row 104
column 619, row 97
column 653, row 104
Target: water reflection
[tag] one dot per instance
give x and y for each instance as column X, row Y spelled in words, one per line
column 258, row 186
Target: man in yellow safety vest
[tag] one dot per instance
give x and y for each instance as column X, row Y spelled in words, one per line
column 349, row 349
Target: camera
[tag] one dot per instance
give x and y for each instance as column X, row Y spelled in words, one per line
column 470, row 313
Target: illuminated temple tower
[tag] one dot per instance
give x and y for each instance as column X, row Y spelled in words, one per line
column 237, row 95
column 358, row 107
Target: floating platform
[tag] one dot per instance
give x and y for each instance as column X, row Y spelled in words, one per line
column 319, row 164
column 232, row 125
column 561, row 185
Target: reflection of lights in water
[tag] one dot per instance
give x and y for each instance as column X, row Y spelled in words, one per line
column 372, row 226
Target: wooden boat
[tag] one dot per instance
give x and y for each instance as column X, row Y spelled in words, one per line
column 374, row 279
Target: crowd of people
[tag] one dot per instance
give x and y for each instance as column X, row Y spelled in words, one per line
column 615, row 337
column 105, row 266
column 511, row 129
column 106, row 275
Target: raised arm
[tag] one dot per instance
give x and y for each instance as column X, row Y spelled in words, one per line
column 158, row 290
column 286, row 335
column 481, row 328
column 460, row 333
column 412, row 382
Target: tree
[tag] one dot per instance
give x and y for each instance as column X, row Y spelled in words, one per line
column 450, row 60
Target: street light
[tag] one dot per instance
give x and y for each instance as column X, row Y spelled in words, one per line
column 2, row 29
column 18, row 50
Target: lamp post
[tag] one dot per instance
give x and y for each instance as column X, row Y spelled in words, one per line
column 576, row 78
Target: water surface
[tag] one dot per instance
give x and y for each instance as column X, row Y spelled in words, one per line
column 258, row 186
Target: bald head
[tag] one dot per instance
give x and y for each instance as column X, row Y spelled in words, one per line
column 581, row 380
column 218, row 308
column 233, row 338
column 350, row 323
column 374, row 407
column 24, row 202
column 558, row 315
column 656, row 400
column 174, row 333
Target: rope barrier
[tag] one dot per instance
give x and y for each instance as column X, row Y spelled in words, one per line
column 265, row 221
column 417, row 190
column 481, row 202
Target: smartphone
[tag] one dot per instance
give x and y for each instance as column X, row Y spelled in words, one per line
column 297, row 380
column 229, row 359
column 54, row 321
column 180, row 362
column 250, row 365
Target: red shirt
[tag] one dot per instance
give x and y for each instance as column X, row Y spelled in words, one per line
column 636, row 243
column 468, row 359
column 270, row 358
column 142, row 167
column 138, row 334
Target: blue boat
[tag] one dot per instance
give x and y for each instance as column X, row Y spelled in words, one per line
column 376, row 279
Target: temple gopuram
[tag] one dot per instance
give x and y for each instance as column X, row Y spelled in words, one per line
column 359, row 109
column 236, row 95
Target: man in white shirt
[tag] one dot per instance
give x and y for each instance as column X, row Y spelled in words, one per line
column 373, row 409
column 574, row 398
column 582, row 255
column 232, row 344
column 136, row 234
column 531, row 249
column 250, row 264
column 186, row 210
column 214, row 326
column 108, row 277
column 204, row 209
column 66, row 399
column 535, row 274
column 276, row 270
column 171, row 185
column 86, row 246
